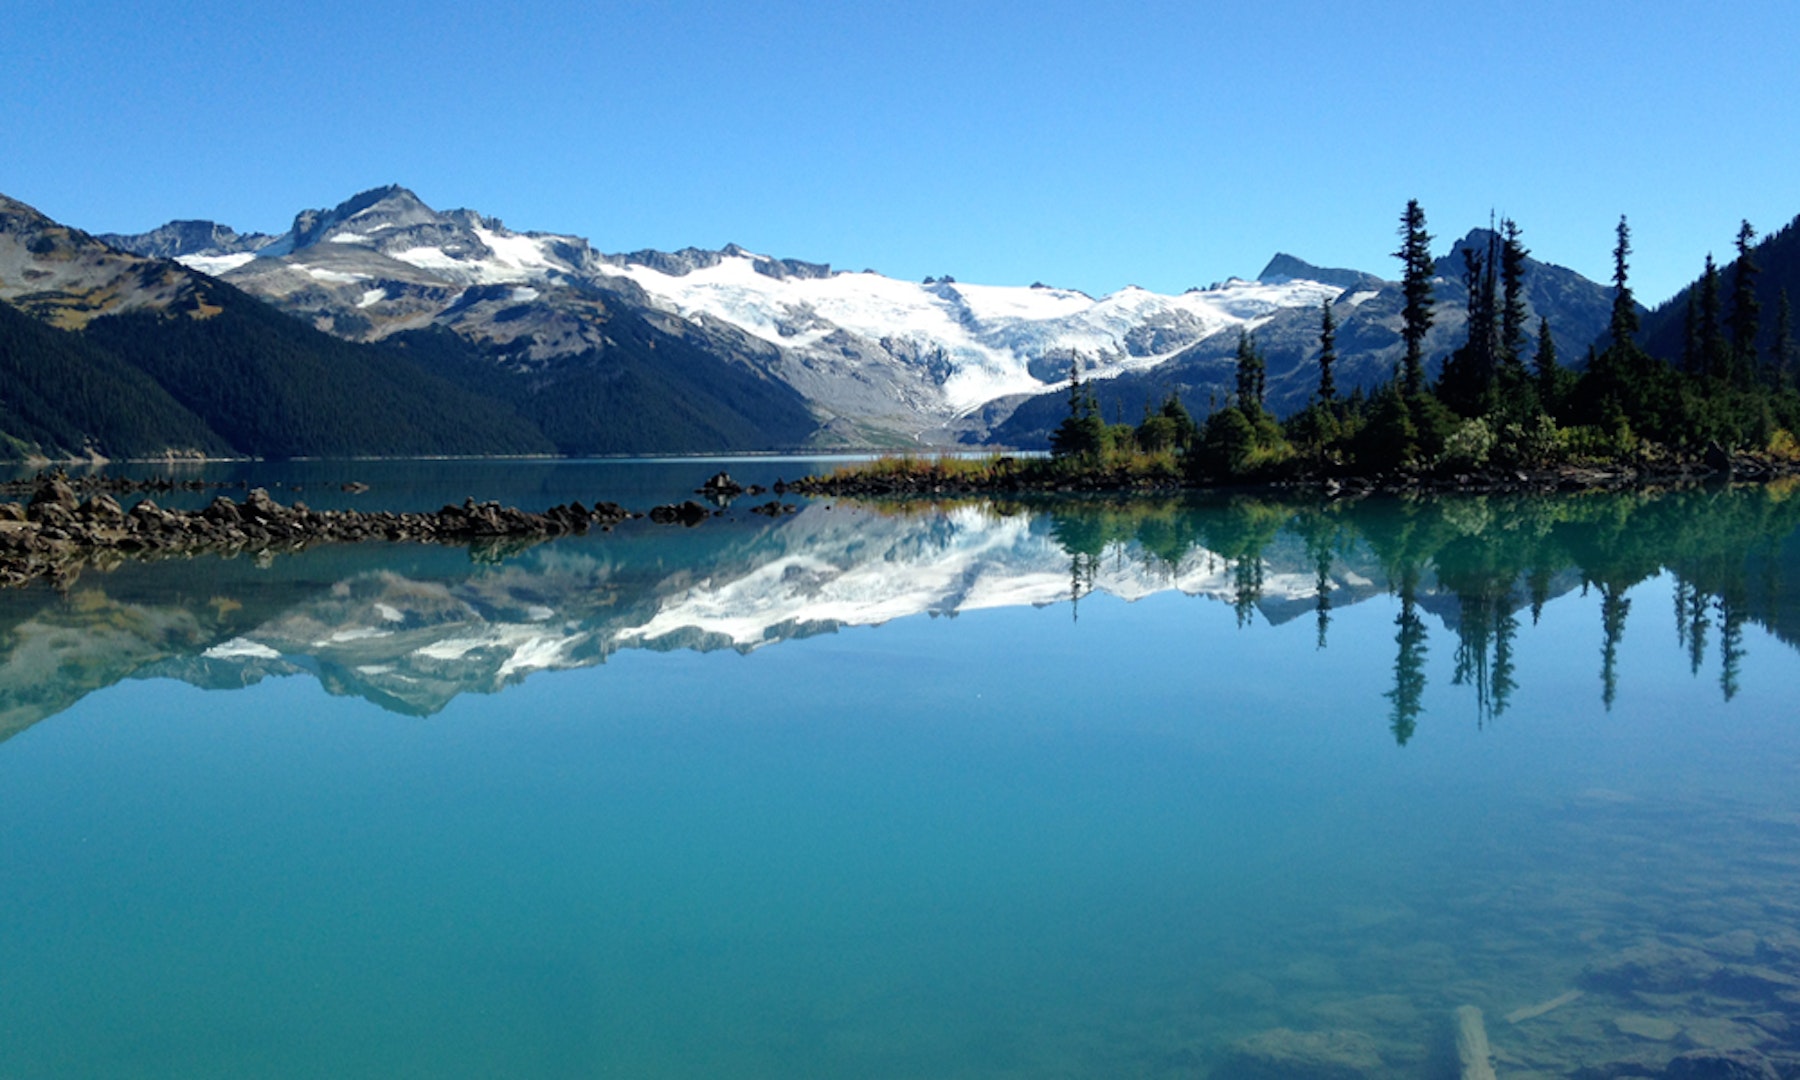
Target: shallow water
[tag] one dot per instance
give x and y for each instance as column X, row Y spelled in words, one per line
column 1127, row 799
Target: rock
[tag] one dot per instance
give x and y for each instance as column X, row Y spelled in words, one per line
column 1721, row 1065
column 1654, row 1028
column 1283, row 1054
column 1753, row 982
column 11, row 511
column 689, row 513
column 1474, row 1057
column 102, row 507
column 52, row 491
column 1651, row 966
column 721, row 485
column 222, row 511
column 258, row 506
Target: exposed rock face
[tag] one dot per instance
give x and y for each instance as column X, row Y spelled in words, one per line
column 186, row 237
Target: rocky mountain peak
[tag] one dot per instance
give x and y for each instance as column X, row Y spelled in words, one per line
column 383, row 207
column 1284, row 268
column 188, row 237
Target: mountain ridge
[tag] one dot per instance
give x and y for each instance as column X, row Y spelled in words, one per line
column 734, row 349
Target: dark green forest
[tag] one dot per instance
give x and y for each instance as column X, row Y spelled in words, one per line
column 245, row 379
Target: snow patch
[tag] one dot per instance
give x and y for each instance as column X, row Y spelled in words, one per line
column 216, row 265
column 335, row 277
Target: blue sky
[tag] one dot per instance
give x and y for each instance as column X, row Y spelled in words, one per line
column 1081, row 144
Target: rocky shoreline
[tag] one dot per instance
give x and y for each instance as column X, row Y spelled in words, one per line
column 57, row 530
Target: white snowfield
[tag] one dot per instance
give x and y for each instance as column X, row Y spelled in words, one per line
column 989, row 335
column 944, row 347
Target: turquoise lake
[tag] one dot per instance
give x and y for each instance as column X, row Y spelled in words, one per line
column 1206, row 787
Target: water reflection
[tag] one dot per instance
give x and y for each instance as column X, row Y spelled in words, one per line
column 410, row 629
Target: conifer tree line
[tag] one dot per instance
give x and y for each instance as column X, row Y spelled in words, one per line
column 1503, row 399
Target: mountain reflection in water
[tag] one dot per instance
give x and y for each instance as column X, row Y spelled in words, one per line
column 410, row 629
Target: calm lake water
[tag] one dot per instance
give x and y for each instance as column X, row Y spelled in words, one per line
column 1215, row 787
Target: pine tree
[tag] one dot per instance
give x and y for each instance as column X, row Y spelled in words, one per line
column 1467, row 381
column 1081, row 432
column 1690, row 337
column 1252, row 375
column 1744, row 310
column 1714, row 358
column 1327, row 353
column 1512, row 292
column 1624, row 325
column 1415, row 260
column 1782, row 351
column 1548, row 377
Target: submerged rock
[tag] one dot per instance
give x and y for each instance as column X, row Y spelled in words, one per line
column 1284, row 1054
column 1721, row 1065
column 1653, row 967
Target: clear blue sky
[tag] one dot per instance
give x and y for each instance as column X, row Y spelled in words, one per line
column 1082, row 144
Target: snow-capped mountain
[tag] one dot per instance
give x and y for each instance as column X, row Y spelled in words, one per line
column 879, row 360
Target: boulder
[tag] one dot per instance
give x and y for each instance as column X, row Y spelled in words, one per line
column 222, row 511
column 258, row 506
column 721, row 485
column 102, row 507
column 52, row 491
column 689, row 513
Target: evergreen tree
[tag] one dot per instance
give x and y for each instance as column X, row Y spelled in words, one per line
column 1467, row 381
column 1252, row 376
column 1549, row 379
column 1512, row 291
column 1415, row 260
column 1714, row 358
column 1082, row 432
column 1624, row 325
column 1781, row 356
column 1690, row 338
column 1744, row 309
column 1327, row 353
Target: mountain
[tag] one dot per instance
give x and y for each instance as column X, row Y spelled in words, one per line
column 134, row 355
column 874, row 360
column 728, row 349
column 1368, row 314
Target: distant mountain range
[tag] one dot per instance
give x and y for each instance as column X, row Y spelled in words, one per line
column 413, row 330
